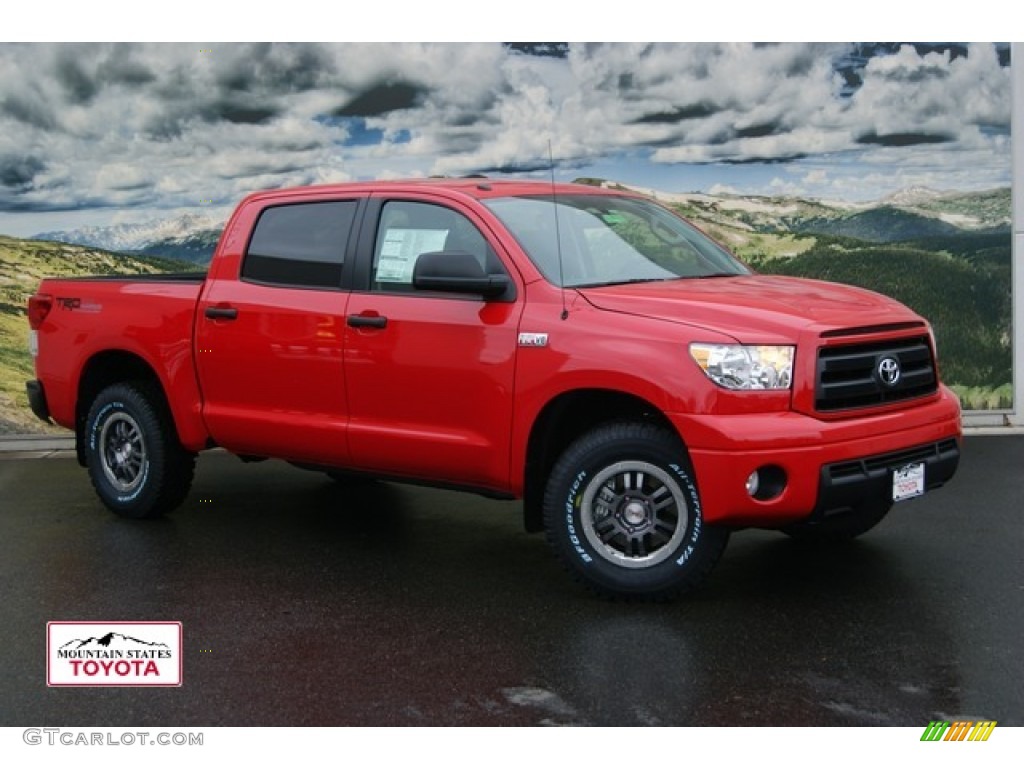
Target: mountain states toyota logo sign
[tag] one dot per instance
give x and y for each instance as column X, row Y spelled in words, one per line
column 113, row 653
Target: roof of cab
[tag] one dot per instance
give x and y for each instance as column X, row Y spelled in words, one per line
column 477, row 187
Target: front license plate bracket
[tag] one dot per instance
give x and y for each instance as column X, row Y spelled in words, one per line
column 908, row 482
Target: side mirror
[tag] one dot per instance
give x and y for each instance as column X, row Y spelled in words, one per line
column 457, row 272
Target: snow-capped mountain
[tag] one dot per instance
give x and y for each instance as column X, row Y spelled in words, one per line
column 908, row 214
column 914, row 196
column 141, row 237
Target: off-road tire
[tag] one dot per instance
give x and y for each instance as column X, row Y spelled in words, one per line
column 622, row 512
column 136, row 464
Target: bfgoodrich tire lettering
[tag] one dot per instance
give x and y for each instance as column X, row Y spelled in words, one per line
column 136, row 464
column 623, row 512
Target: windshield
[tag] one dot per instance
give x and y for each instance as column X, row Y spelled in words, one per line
column 606, row 240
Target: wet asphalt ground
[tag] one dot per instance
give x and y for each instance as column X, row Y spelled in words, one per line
column 305, row 603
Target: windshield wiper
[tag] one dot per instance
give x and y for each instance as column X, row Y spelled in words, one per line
column 629, row 281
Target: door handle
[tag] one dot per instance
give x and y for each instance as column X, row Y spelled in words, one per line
column 221, row 313
column 367, row 321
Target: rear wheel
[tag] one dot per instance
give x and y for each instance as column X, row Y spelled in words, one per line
column 135, row 461
column 622, row 511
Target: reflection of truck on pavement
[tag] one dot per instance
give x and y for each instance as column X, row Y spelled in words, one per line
column 582, row 349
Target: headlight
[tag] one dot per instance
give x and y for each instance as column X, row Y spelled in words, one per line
column 738, row 366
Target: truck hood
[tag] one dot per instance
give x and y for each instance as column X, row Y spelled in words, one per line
column 752, row 307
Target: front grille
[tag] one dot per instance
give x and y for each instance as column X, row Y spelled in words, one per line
column 851, row 376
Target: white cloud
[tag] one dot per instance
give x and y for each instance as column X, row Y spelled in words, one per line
column 815, row 176
column 723, row 189
column 165, row 125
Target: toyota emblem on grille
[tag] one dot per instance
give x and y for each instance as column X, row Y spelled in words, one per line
column 889, row 371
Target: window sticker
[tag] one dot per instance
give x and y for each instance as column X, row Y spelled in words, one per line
column 400, row 249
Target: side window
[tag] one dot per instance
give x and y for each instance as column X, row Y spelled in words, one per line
column 300, row 245
column 408, row 230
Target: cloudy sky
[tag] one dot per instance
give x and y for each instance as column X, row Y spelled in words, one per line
column 102, row 134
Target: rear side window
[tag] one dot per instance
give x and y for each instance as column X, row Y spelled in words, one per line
column 300, row 245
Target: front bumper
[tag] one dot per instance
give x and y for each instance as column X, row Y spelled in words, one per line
column 828, row 466
column 849, row 484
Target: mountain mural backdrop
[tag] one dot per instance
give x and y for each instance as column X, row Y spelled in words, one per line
column 945, row 254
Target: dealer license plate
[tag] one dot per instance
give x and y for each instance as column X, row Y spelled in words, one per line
column 908, row 482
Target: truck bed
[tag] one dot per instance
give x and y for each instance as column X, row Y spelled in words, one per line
column 161, row 277
column 148, row 317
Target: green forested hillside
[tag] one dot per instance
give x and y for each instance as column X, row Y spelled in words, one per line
column 948, row 256
column 961, row 284
column 885, row 224
column 989, row 209
column 23, row 263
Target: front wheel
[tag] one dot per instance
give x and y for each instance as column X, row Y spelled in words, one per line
column 622, row 511
column 135, row 461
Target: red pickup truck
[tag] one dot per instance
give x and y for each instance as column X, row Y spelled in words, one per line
column 583, row 349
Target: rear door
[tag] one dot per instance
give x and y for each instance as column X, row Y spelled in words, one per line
column 270, row 335
column 429, row 375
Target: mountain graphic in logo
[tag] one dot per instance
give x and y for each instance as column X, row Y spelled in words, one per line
column 110, row 642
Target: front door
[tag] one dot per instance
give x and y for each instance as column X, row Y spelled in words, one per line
column 429, row 375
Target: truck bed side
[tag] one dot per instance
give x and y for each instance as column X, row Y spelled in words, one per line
column 101, row 329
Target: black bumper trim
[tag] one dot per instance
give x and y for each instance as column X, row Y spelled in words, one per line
column 848, row 484
column 37, row 400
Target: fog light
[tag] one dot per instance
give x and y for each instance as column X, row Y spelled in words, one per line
column 766, row 483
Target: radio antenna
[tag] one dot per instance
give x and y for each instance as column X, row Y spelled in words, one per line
column 558, row 231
